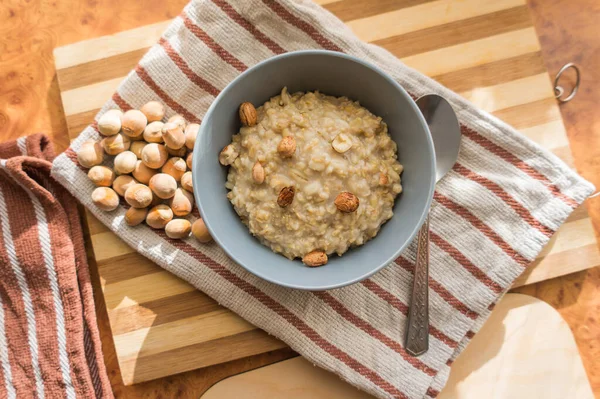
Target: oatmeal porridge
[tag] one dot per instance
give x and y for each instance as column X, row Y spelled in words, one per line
column 311, row 174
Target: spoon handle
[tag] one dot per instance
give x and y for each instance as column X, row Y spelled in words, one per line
column 417, row 331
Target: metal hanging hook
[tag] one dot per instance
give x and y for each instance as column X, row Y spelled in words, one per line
column 559, row 91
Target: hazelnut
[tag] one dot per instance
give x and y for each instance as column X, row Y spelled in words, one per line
column 248, row 114
column 315, row 258
column 175, row 167
column 258, row 173
column 142, row 173
column 159, row 216
column 154, row 155
column 287, row 146
column 109, row 123
column 116, row 144
column 136, row 147
column 187, row 182
column 101, row 176
column 135, row 216
column 188, row 160
column 153, row 110
column 90, row 154
column 163, row 185
column 178, row 228
column 138, row 196
column 341, row 143
column 153, row 132
column 286, row 196
column 346, row 202
column 228, row 154
column 133, row 123
column 191, row 131
column 122, row 183
column 125, row 162
column 182, row 202
column 105, row 198
column 178, row 119
column 173, row 135
column 200, row 231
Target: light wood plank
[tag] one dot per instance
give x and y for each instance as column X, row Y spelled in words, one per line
column 493, row 73
column 579, row 213
column 565, row 154
column 531, row 114
column 76, row 123
column 107, row 46
column 475, row 53
column 165, row 310
column 324, row 2
column 560, row 264
column 108, row 245
column 424, row 16
column 569, row 236
column 89, row 97
column 94, row 225
column 180, row 333
column 239, row 346
column 348, row 10
column 100, row 70
column 143, row 289
column 549, row 135
column 511, row 94
column 112, row 269
column 287, row 379
column 461, row 31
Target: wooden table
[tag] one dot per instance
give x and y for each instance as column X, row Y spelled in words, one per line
column 579, row 291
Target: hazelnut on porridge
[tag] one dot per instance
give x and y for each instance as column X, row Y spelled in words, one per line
column 311, row 174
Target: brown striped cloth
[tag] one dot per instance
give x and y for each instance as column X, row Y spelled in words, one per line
column 49, row 340
column 491, row 215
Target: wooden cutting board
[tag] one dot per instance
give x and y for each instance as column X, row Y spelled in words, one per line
column 524, row 351
column 486, row 50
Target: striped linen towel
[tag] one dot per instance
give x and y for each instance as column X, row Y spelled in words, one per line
column 491, row 215
column 49, row 339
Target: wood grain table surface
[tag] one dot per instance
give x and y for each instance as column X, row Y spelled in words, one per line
column 30, row 102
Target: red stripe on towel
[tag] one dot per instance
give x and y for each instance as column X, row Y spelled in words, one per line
column 515, row 161
column 214, row 46
column 184, row 67
column 244, row 23
column 504, row 196
column 482, row 227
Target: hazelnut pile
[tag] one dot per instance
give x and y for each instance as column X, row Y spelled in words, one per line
column 151, row 169
column 345, row 202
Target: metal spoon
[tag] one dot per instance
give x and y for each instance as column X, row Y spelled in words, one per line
column 446, row 135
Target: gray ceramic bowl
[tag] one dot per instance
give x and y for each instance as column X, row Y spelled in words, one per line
column 334, row 74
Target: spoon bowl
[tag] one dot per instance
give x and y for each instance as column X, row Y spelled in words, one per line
column 445, row 131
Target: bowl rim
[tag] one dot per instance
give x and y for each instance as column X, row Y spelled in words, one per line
column 416, row 228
